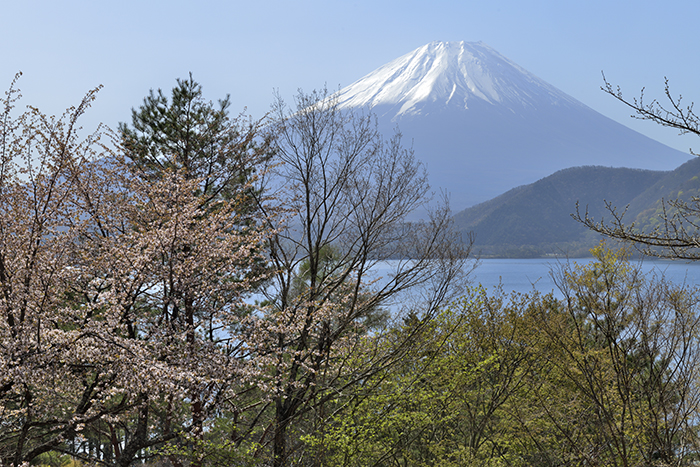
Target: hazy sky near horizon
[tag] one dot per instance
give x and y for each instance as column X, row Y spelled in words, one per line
column 249, row 49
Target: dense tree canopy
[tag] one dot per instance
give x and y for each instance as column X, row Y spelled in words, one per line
column 124, row 267
column 204, row 291
column 605, row 376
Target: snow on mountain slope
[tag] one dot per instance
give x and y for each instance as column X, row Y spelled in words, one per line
column 450, row 74
column 482, row 124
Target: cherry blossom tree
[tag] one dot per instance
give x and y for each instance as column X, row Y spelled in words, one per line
column 216, row 157
column 126, row 262
column 121, row 294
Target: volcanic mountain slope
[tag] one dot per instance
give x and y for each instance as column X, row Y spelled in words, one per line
column 482, row 125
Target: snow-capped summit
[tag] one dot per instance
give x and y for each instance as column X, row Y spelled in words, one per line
column 451, row 74
column 482, row 124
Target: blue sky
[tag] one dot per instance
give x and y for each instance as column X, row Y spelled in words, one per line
column 248, row 49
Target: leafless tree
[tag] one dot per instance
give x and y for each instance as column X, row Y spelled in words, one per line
column 676, row 236
column 344, row 189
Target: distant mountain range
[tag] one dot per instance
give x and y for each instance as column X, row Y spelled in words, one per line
column 483, row 125
column 535, row 219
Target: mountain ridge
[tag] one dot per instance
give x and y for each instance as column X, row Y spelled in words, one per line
column 536, row 219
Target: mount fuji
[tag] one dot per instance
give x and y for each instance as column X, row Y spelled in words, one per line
column 482, row 124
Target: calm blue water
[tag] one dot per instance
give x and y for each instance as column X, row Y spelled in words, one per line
column 521, row 275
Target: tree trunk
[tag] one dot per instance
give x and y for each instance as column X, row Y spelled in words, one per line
column 279, row 443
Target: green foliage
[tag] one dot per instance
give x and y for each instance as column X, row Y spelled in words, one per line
column 213, row 451
column 606, row 376
column 446, row 404
column 190, row 134
column 55, row 459
column 624, row 345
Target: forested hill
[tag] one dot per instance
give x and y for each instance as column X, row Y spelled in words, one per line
column 535, row 219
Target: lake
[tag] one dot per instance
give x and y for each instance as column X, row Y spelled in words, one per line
column 521, row 275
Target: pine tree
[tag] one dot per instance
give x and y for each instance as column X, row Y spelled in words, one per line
column 191, row 135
